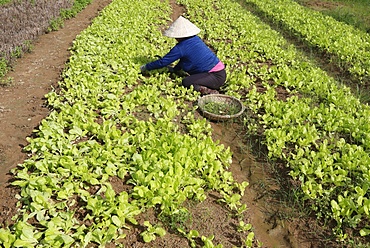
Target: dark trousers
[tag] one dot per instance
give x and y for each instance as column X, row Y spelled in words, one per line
column 212, row 80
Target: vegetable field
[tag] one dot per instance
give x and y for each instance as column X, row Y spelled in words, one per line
column 109, row 123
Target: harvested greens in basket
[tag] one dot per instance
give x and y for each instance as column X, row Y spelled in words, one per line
column 221, row 108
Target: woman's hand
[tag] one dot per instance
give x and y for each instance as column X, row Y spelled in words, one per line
column 143, row 68
column 170, row 69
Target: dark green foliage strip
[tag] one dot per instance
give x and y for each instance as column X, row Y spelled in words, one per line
column 2, row 2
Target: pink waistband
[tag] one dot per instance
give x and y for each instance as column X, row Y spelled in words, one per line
column 220, row 66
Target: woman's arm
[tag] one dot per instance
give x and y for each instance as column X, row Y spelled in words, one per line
column 173, row 55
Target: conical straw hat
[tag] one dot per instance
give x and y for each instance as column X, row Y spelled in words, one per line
column 181, row 28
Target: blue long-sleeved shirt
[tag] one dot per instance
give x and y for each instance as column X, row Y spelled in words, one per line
column 194, row 55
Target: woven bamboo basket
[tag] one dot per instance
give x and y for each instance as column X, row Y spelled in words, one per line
column 233, row 102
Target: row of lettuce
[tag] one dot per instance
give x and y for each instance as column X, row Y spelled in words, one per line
column 108, row 121
column 348, row 46
column 318, row 128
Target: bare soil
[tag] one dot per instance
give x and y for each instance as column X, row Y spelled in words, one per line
column 22, row 107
